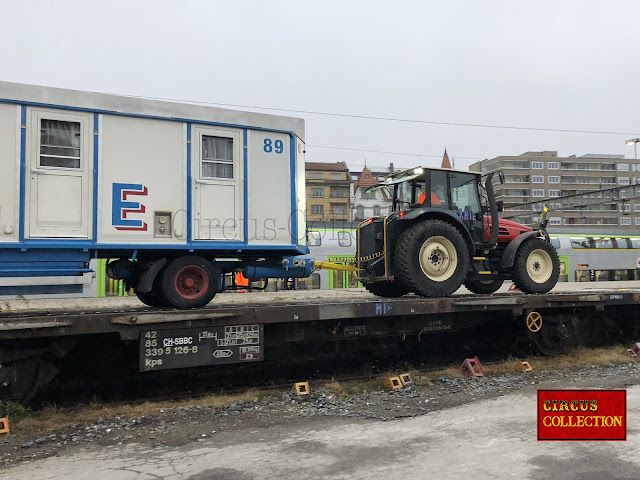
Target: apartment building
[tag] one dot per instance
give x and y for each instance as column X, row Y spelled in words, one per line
column 369, row 204
column 328, row 191
column 536, row 179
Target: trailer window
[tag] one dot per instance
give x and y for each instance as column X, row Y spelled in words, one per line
column 635, row 242
column 59, row 144
column 217, row 157
column 555, row 241
column 344, row 239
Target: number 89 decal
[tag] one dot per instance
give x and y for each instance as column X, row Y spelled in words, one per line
column 270, row 146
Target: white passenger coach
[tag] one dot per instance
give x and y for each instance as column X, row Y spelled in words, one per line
column 179, row 193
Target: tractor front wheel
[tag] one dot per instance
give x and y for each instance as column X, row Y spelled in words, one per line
column 432, row 258
column 387, row 289
column 483, row 287
column 536, row 267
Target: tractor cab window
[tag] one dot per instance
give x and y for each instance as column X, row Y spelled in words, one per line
column 438, row 194
column 464, row 195
column 403, row 195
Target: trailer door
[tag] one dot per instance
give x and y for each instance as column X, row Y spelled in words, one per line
column 60, row 164
column 218, row 181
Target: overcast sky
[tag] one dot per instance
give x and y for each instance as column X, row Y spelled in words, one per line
column 547, row 64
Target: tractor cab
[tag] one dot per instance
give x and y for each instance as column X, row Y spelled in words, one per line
column 443, row 232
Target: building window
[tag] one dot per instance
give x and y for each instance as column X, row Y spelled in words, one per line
column 625, row 221
column 623, row 167
column 315, row 175
column 366, row 175
column 553, row 165
column 555, row 221
column 637, row 220
column 376, row 210
column 60, row 144
column 623, row 181
column 636, row 207
column 337, row 209
column 537, row 179
column 359, row 212
column 554, row 193
column 317, row 209
column 338, row 193
column 623, row 193
column 344, row 239
column 538, row 207
column 368, row 195
column 336, row 176
column 625, row 207
column 538, row 193
column 317, row 192
column 554, row 179
column 537, row 165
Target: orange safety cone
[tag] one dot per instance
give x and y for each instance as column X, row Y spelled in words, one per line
column 241, row 281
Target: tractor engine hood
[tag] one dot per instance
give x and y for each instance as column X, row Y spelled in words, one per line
column 507, row 230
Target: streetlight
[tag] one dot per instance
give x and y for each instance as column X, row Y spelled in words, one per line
column 634, row 142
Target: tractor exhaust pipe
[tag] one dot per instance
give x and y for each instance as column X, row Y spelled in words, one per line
column 493, row 209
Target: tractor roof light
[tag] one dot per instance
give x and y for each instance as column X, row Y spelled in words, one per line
column 418, row 171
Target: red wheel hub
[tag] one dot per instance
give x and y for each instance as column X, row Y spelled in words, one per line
column 191, row 282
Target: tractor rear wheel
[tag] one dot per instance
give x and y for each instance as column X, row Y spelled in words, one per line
column 536, row 267
column 432, row 258
column 483, row 287
column 387, row 289
column 189, row 282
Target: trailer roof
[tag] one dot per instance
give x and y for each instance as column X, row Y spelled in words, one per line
column 141, row 106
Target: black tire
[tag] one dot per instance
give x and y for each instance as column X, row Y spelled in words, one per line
column 387, row 289
column 483, row 287
column 155, row 297
column 189, row 282
column 432, row 258
column 152, row 298
column 536, row 267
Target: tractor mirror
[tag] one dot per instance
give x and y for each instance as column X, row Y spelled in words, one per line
column 500, row 205
column 501, row 176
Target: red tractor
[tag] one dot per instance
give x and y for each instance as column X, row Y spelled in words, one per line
column 443, row 232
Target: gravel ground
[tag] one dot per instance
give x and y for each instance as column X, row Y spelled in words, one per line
column 192, row 423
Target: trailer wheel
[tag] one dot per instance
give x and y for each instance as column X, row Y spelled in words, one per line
column 432, row 259
column 387, row 289
column 536, row 267
column 189, row 282
column 154, row 298
column 483, row 287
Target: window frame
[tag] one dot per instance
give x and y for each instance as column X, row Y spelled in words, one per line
column 60, row 118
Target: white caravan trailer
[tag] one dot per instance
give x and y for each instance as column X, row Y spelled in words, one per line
column 179, row 193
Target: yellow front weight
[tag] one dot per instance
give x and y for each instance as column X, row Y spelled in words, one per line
column 534, row 321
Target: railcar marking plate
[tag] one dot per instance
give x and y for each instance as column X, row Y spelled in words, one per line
column 194, row 347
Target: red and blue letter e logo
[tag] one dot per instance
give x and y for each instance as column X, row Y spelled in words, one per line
column 121, row 208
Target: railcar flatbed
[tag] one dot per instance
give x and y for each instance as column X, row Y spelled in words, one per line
column 241, row 328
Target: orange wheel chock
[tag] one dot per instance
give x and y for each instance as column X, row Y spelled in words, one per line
column 4, row 425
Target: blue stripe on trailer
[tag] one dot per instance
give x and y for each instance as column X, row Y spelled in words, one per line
column 294, row 198
column 138, row 115
column 96, row 150
column 23, row 169
column 189, row 177
column 245, row 171
column 85, row 245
